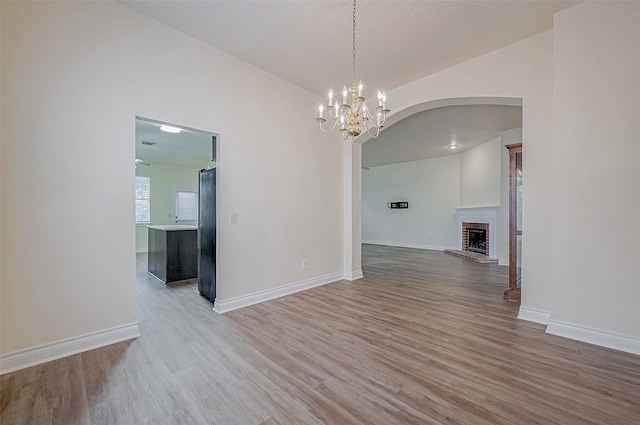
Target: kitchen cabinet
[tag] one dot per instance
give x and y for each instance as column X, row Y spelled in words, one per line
column 173, row 252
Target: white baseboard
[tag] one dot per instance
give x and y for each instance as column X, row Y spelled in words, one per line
column 409, row 245
column 534, row 315
column 594, row 336
column 353, row 275
column 21, row 359
column 223, row 306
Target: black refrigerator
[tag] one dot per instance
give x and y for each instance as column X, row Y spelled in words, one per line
column 207, row 234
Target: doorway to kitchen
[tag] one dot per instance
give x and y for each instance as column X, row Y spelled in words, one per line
column 175, row 214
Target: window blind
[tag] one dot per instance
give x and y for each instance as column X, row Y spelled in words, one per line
column 143, row 200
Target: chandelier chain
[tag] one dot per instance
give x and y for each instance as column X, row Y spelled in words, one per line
column 354, row 42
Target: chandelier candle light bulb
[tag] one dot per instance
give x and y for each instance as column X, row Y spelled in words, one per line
column 353, row 118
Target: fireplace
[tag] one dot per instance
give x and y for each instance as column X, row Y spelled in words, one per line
column 477, row 241
column 476, row 237
column 480, row 218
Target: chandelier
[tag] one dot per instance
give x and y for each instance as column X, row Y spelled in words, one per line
column 349, row 113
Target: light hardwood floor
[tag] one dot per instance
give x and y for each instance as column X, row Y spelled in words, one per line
column 424, row 338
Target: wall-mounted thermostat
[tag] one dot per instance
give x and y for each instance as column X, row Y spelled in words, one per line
column 401, row 204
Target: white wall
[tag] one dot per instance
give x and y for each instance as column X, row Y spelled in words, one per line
column 352, row 211
column 431, row 187
column 71, row 68
column 164, row 178
column 480, row 174
column 1, row 174
column 584, row 174
column 483, row 176
column 524, row 71
column 435, row 188
column 74, row 77
column 597, row 184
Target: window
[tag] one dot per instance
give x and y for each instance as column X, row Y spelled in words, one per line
column 143, row 203
column 186, row 205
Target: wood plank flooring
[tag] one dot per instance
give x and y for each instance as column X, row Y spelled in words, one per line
column 424, row 338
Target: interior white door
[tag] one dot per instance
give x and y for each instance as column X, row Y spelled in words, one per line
column 186, row 206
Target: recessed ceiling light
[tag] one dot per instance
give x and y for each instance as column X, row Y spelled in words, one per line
column 453, row 146
column 144, row 142
column 170, row 129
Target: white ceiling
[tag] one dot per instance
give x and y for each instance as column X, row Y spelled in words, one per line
column 429, row 134
column 189, row 148
column 308, row 42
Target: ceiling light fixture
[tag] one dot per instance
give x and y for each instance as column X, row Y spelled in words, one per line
column 454, row 146
column 351, row 119
column 170, row 129
column 142, row 162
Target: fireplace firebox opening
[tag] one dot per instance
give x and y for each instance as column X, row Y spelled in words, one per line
column 477, row 241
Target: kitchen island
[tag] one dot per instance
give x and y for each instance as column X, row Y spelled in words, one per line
column 173, row 252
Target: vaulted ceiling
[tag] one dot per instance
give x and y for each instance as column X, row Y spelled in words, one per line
column 308, row 43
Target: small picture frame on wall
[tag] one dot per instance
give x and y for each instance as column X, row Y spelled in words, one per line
column 398, row 204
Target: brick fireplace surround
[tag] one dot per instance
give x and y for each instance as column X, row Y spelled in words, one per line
column 477, row 218
column 465, row 235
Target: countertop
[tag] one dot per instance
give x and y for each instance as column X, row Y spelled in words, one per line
column 173, row 227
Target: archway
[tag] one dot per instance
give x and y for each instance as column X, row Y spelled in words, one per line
column 353, row 178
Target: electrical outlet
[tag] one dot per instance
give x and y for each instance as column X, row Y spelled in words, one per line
column 304, row 264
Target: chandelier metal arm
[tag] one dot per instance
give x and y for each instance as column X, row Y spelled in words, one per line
column 371, row 127
column 374, row 135
column 335, row 123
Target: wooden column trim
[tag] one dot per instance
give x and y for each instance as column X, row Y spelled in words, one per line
column 513, row 292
